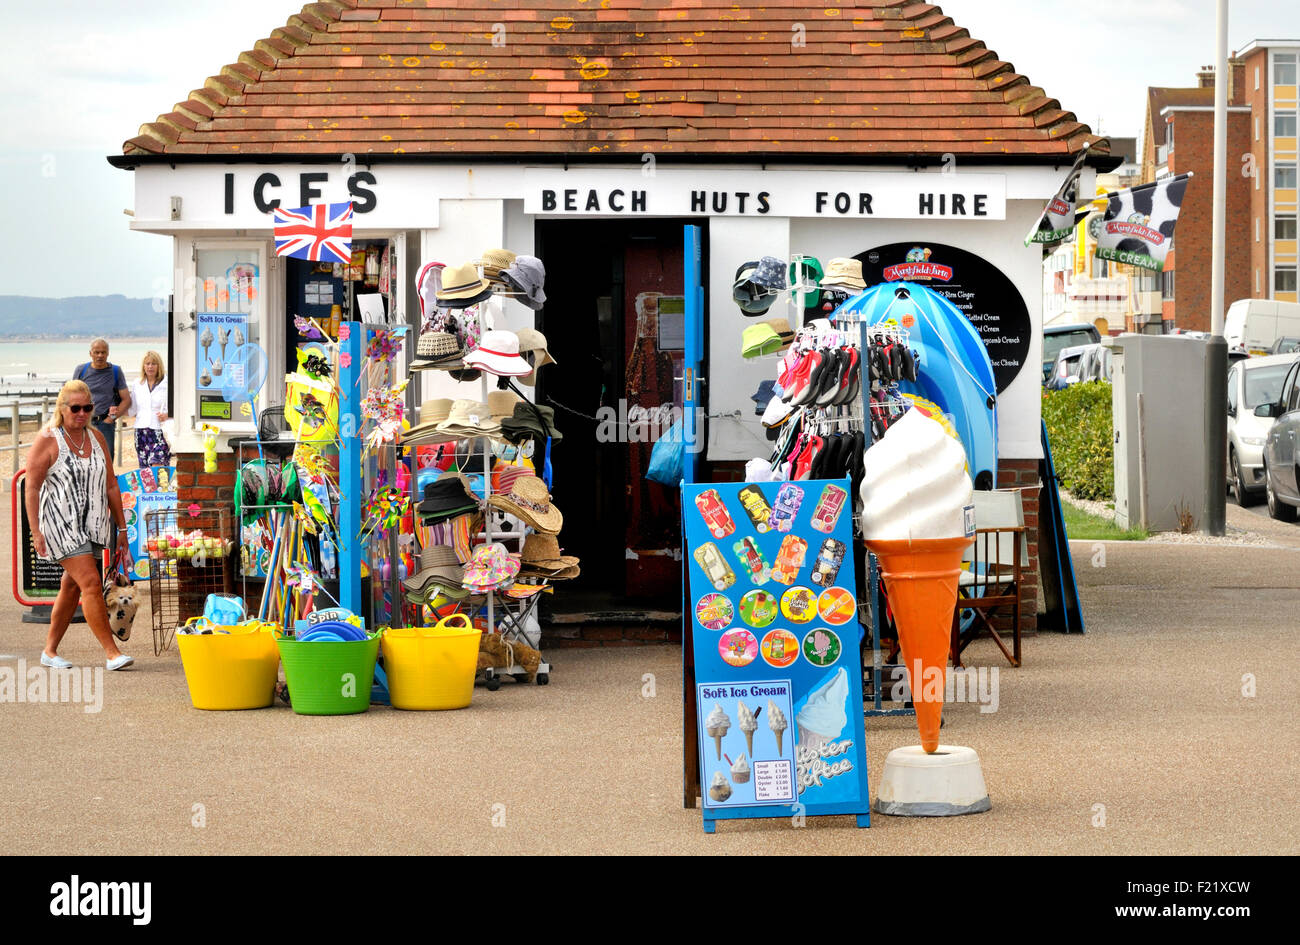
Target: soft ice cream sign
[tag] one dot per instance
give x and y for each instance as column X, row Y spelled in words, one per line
column 773, row 624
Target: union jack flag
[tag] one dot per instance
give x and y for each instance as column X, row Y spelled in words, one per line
column 321, row 232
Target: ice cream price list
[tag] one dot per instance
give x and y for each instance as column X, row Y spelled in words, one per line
column 777, row 642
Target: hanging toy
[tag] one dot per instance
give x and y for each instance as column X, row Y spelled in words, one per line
column 209, row 448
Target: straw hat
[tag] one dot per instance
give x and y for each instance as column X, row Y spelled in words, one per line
column 436, row 348
column 438, row 564
column 541, row 553
column 462, row 286
column 532, row 340
column 529, row 500
column 469, row 418
column 495, row 260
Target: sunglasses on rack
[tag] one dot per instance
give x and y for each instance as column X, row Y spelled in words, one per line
column 81, row 408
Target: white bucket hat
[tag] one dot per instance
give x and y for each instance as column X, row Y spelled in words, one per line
column 498, row 353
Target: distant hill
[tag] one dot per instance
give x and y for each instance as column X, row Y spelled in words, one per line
column 24, row 316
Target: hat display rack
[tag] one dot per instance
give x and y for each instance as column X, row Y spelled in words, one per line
column 885, row 358
column 506, row 604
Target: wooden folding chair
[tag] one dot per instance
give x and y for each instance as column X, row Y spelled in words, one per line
column 992, row 582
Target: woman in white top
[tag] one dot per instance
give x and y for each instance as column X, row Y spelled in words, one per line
column 149, row 407
column 72, row 500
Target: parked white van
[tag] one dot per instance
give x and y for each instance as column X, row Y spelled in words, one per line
column 1256, row 324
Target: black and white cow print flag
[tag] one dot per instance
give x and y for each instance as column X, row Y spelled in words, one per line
column 1138, row 226
column 1057, row 219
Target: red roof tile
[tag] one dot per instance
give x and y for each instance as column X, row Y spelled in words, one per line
column 880, row 78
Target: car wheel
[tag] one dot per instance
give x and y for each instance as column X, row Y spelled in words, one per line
column 1245, row 497
column 1276, row 507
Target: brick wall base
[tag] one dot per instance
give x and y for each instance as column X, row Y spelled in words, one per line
column 1023, row 474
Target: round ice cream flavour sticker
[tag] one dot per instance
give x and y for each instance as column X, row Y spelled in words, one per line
column 780, row 648
column 821, row 647
column 799, row 605
column 758, row 609
column 836, row 606
column 714, row 611
column 738, row 647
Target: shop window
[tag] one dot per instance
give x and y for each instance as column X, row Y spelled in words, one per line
column 1284, row 279
column 1284, row 177
column 1167, row 286
column 1284, row 227
column 228, row 307
column 1284, row 125
column 1283, row 69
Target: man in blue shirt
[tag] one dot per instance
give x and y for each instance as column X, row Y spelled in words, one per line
column 108, row 387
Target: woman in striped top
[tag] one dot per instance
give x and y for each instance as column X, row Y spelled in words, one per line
column 71, row 492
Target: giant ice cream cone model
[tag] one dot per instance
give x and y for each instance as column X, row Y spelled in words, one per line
column 914, row 493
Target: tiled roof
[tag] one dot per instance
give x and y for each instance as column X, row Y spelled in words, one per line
column 881, row 78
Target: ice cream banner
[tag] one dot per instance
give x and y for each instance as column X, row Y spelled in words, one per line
column 151, row 489
column 776, row 636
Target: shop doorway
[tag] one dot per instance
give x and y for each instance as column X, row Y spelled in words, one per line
column 614, row 319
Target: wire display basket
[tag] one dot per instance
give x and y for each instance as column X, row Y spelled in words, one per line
column 189, row 558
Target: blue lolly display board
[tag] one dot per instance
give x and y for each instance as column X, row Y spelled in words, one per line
column 151, row 489
column 778, row 667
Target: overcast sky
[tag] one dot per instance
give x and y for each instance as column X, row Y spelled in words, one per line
column 83, row 75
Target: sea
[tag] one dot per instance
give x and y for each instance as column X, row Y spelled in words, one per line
column 52, row 363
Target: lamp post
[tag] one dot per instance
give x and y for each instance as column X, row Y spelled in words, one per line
column 1216, row 354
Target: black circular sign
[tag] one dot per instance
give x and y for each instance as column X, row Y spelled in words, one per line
column 975, row 286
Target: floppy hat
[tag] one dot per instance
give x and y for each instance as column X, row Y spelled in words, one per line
column 447, row 498
column 490, row 566
column 844, row 273
column 501, row 403
column 462, row 286
column 498, row 353
column 529, row 500
column 437, row 348
column 439, row 564
column 763, row 396
column 495, row 260
column 782, row 328
column 530, row 421
column 525, row 277
column 532, row 340
column 427, row 284
column 469, row 418
column 432, row 413
column 758, row 340
column 770, row 273
column 541, row 553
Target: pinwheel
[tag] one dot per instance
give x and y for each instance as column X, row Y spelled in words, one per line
column 383, row 346
column 384, row 510
column 385, row 406
column 313, row 412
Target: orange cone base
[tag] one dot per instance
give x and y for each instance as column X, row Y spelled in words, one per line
column 921, row 583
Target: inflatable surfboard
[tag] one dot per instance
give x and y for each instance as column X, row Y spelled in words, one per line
column 954, row 369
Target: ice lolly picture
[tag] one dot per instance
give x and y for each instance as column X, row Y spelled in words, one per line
column 756, row 507
column 715, row 513
column 716, row 569
column 751, row 560
column 829, row 561
column 790, row 559
column 828, row 509
column 788, row 500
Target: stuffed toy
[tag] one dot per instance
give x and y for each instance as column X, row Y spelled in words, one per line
column 496, row 652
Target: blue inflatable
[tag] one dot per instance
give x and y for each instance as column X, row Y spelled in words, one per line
column 954, row 370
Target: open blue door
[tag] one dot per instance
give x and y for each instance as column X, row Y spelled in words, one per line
column 694, row 292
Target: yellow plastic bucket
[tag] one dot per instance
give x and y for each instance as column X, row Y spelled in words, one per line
column 432, row 668
column 230, row 671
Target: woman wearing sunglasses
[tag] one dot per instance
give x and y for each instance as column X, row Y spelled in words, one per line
column 71, row 492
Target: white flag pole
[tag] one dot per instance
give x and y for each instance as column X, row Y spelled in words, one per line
column 1216, row 353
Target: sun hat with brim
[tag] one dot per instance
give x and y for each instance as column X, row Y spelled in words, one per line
column 498, row 353
column 782, row 328
column 501, row 403
column 495, row 260
column 462, row 286
column 844, row 273
column 437, row 562
column 434, row 588
column 470, row 418
column 503, row 477
column 432, row 413
column 568, row 574
column 752, row 298
column 525, row 277
column 758, row 340
column 532, row 346
column 541, row 552
column 447, row 498
column 530, row 501
column 530, row 422
column 437, row 349
column 490, row 566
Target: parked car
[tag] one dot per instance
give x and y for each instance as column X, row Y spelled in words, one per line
column 1251, row 383
column 1286, row 345
column 1080, row 363
column 1057, row 337
column 1064, row 370
column 1281, row 485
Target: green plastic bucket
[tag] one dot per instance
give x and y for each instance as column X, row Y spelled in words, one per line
column 329, row 678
